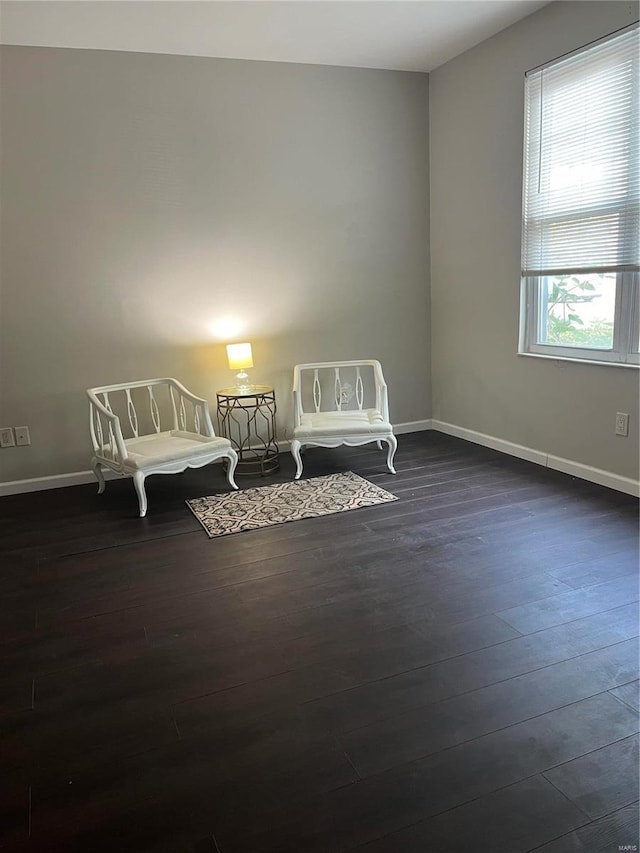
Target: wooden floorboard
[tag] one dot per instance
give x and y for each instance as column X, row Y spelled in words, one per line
column 615, row 831
column 455, row 670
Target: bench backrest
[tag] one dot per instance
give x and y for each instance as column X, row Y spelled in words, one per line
column 339, row 386
column 146, row 407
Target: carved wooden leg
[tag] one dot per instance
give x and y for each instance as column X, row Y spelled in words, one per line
column 379, row 443
column 391, row 452
column 295, row 452
column 232, row 456
column 97, row 470
column 138, row 482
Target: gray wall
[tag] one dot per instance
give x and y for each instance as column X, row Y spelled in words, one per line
column 147, row 198
column 476, row 118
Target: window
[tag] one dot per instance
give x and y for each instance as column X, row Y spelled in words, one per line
column 581, row 197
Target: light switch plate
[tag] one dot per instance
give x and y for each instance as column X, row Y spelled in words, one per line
column 6, row 437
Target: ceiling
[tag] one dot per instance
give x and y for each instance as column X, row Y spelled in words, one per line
column 403, row 35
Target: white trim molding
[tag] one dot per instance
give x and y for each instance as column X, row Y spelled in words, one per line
column 413, row 426
column 491, row 441
column 595, row 475
column 566, row 466
column 55, row 481
column 539, row 457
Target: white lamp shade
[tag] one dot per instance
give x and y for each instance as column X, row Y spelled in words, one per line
column 239, row 356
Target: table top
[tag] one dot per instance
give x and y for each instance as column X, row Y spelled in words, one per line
column 249, row 391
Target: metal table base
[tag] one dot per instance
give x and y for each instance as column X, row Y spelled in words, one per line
column 247, row 417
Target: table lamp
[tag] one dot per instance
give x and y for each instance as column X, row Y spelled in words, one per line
column 240, row 357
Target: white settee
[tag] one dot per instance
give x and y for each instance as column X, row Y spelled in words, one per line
column 167, row 429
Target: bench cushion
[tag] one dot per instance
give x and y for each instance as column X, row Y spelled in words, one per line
column 365, row 422
column 147, row 451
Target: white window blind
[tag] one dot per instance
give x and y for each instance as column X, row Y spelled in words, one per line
column 581, row 189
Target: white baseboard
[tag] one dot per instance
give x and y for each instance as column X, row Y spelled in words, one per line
column 56, row 481
column 413, row 426
column 539, row 457
column 595, row 475
column 567, row 466
column 491, row 441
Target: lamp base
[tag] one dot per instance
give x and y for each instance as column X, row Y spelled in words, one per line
column 242, row 380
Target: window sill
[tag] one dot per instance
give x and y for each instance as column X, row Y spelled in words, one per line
column 564, row 358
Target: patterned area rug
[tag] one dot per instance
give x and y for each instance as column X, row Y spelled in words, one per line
column 250, row 509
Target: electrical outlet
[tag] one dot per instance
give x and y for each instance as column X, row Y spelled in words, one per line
column 622, row 423
column 22, row 436
column 6, row 437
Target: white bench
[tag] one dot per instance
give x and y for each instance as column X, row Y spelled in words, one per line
column 168, row 430
column 340, row 402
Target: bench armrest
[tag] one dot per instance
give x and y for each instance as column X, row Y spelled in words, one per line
column 113, row 440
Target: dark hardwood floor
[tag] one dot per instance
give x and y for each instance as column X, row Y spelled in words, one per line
column 456, row 671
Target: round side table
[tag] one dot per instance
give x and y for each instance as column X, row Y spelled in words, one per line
column 247, row 417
